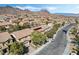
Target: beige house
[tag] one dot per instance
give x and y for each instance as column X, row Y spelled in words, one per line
column 6, row 25
column 22, row 36
column 5, row 40
column 43, row 28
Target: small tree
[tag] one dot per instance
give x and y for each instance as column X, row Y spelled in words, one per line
column 17, row 48
column 63, row 23
column 38, row 38
column 76, row 20
column 26, row 25
column 2, row 29
column 74, row 31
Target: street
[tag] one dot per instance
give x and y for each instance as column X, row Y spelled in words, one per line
column 58, row 46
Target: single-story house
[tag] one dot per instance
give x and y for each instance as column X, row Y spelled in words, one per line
column 22, row 36
column 42, row 28
column 6, row 25
column 5, row 40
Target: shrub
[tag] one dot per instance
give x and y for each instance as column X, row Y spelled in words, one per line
column 38, row 38
column 51, row 32
column 17, row 48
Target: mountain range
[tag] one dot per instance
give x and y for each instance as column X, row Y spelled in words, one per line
column 12, row 10
column 67, row 14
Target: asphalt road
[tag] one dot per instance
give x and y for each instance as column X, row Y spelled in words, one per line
column 58, row 46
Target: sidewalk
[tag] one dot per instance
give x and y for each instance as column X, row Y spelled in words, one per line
column 67, row 50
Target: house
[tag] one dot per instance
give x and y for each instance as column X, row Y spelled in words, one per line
column 22, row 36
column 4, row 26
column 43, row 28
column 5, row 40
column 5, row 23
column 23, row 22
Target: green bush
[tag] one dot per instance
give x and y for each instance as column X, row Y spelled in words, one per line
column 26, row 25
column 74, row 31
column 38, row 38
column 2, row 29
column 17, row 48
column 18, row 27
column 63, row 23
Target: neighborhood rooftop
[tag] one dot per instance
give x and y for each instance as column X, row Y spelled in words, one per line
column 22, row 33
column 4, row 36
column 5, row 23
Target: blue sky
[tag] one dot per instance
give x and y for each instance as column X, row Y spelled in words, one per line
column 52, row 8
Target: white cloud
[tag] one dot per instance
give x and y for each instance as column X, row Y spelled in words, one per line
column 49, row 8
column 28, row 7
column 75, row 10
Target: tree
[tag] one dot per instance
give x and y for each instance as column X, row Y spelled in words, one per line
column 26, row 25
column 17, row 48
column 76, row 40
column 76, row 20
column 74, row 31
column 38, row 38
column 2, row 29
column 54, row 22
column 46, row 22
column 63, row 23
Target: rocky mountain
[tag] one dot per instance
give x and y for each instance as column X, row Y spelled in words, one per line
column 11, row 10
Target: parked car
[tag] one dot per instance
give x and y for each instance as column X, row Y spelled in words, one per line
column 65, row 31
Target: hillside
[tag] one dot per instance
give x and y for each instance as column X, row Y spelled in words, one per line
column 11, row 10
